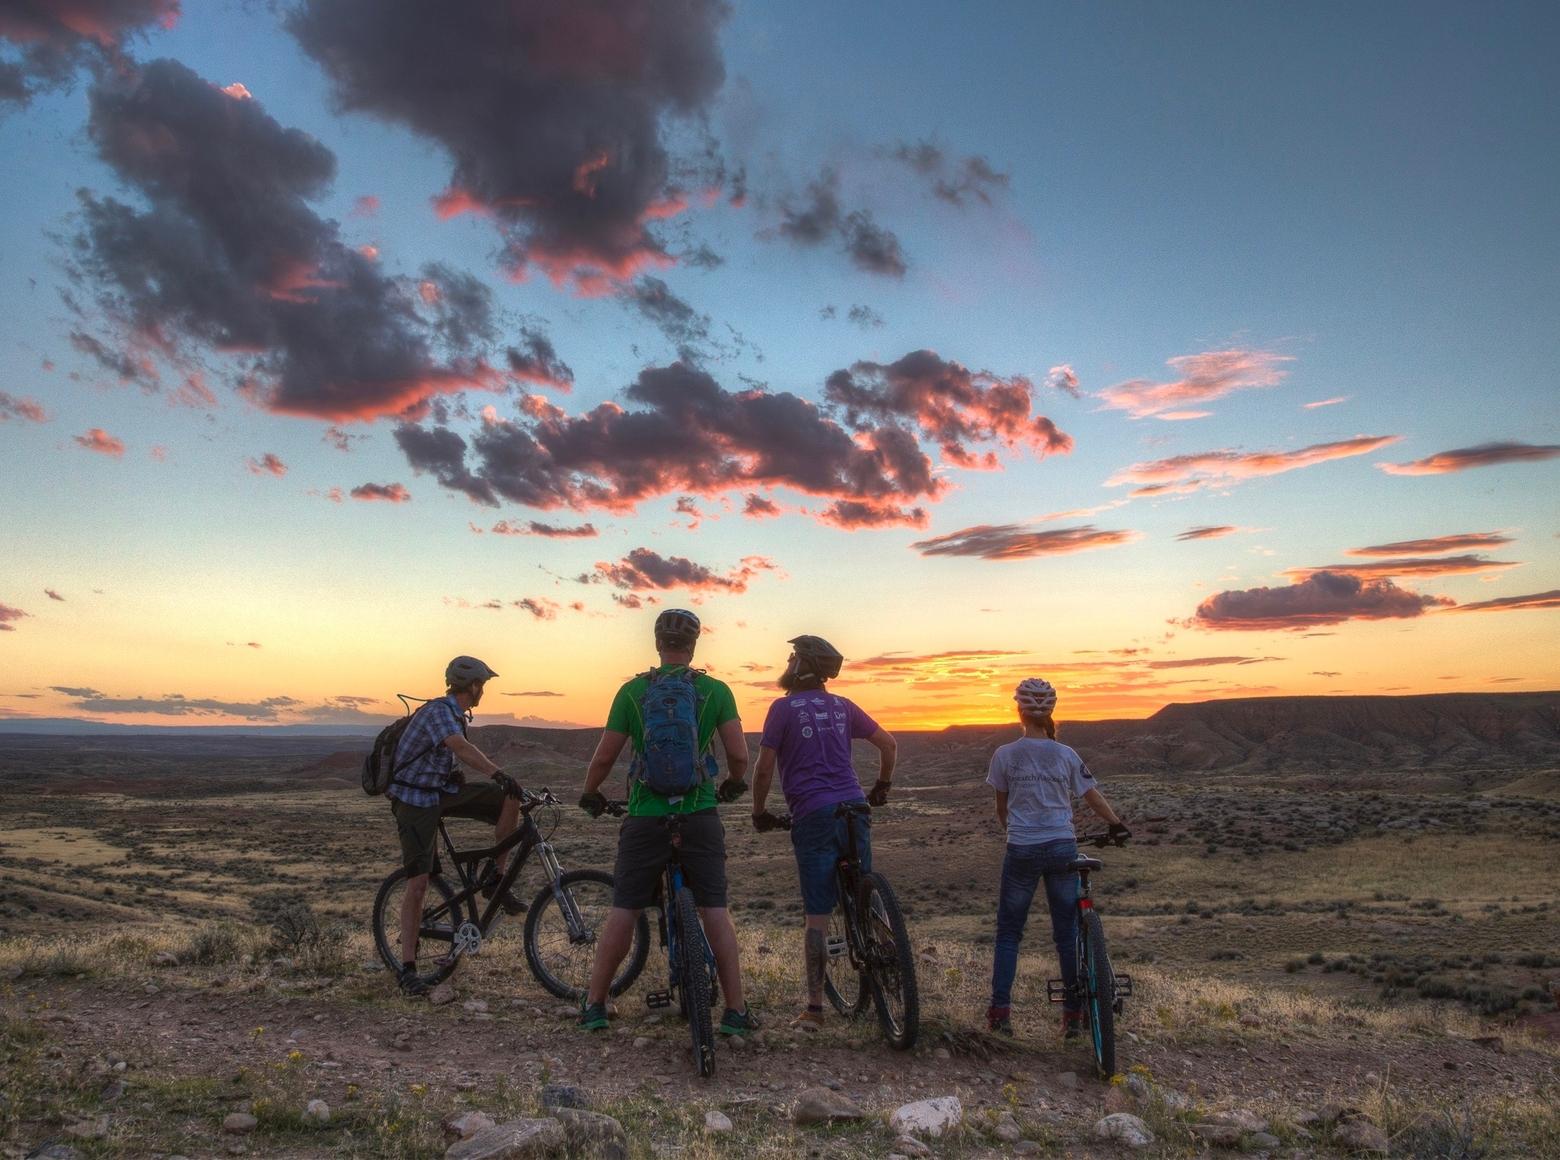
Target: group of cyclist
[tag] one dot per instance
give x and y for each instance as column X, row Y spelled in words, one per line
column 806, row 738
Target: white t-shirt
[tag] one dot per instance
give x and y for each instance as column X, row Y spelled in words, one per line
column 1041, row 778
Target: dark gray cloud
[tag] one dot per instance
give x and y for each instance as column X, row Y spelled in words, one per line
column 43, row 43
column 385, row 492
column 1321, row 598
column 553, row 112
column 549, row 531
column 1208, row 532
column 818, row 217
column 228, row 259
column 701, row 257
column 759, row 507
column 1020, row 542
column 643, row 570
column 948, row 403
column 178, row 705
column 535, row 360
column 684, row 327
column 955, row 182
column 865, row 317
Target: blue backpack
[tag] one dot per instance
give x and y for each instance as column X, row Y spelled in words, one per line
column 671, row 764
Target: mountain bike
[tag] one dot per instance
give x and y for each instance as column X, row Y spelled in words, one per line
column 868, row 945
column 1101, row 988
column 560, row 924
column 692, row 982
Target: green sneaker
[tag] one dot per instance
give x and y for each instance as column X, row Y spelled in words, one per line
column 593, row 1016
column 737, row 1023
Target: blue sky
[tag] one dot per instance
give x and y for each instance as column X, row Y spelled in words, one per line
column 1352, row 203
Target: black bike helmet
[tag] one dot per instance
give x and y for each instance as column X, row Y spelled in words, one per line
column 464, row 671
column 816, row 657
column 676, row 628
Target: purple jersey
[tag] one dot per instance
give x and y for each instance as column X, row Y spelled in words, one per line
column 811, row 733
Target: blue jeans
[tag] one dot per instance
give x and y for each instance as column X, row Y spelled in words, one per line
column 1022, row 870
column 820, row 841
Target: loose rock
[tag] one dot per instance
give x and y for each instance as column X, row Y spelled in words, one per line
column 1360, row 1136
column 512, row 1141
column 467, row 1124
column 717, row 1122
column 910, row 1146
column 239, row 1123
column 563, row 1095
column 1008, row 1130
column 317, row 1112
column 592, row 1134
column 930, row 1117
column 1125, row 1128
column 93, row 1129
column 821, row 1106
column 442, row 994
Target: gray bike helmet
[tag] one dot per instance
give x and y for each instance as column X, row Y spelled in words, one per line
column 817, row 657
column 677, row 628
column 466, row 670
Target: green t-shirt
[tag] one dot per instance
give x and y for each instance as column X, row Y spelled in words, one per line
column 716, row 707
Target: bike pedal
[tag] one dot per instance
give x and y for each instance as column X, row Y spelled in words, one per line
column 656, row 999
column 1055, row 991
column 1124, row 986
column 838, row 946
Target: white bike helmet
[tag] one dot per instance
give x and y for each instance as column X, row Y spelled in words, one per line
column 1035, row 697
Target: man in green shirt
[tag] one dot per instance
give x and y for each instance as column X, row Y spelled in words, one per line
column 644, row 841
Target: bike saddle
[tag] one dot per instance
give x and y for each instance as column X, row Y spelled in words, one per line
column 1082, row 863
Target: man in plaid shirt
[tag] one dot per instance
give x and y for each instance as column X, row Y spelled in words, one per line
column 428, row 786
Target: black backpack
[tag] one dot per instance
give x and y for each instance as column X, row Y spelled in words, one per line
column 380, row 766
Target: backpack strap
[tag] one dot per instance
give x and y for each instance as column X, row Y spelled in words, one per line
column 397, row 766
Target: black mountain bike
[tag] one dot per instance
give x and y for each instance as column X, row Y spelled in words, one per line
column 1100, row 988
column 560, row 923
column 691, row 982
column 869, row 947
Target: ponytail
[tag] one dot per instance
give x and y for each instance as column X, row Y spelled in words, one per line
column 1046, row 724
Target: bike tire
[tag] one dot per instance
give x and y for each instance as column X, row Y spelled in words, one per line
column 443, row 915
column 694, row 981
column 1100, row 984
column 560, row 964
column 843, row 984
column 890, row 962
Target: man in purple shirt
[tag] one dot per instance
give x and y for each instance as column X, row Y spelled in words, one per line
column 808, row 734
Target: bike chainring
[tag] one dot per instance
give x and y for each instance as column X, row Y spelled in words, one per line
column 468, row 939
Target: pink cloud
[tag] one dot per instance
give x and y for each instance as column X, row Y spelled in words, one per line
column 53, row 595
column 388, row 492
column 1412, row 566
column 1332, row 402
column 1063, row 378
column 267, row 464
column 237, row 91
column 1210, row 532
column 1187, row 473
column 27, row 410
column 758, row 507
column 1531, row 601
column 8, row 615
column 1204, row 377
column 1431, row 544
column 366, row 206
column 1321, row 598
column 1464, row 458
column 1019, row 542
column 99, row 440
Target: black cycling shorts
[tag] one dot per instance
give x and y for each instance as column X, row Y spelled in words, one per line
column 419, row 825
column 645, row 847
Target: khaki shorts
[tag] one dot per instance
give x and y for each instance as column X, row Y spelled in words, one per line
column 419, row 825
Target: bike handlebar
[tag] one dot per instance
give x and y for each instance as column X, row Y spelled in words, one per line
column 1102, row 838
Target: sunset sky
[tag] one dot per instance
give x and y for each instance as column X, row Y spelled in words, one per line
column 1170, row 352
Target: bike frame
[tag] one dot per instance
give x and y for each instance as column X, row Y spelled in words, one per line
column 671, row 882
column 848, row 878
column 528, row 839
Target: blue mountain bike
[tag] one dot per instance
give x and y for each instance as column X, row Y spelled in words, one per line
column 691, row 981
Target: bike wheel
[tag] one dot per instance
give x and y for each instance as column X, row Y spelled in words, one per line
column 441, row 916
column 1100, row 983
column 890, row 962
column 694, row 981
column 845, row 986
column 561, row 946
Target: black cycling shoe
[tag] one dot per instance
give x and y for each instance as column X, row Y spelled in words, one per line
column 412, row 983
column 490, row 881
